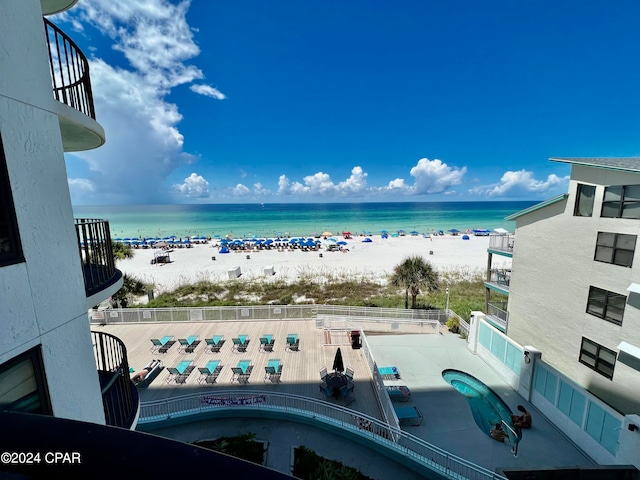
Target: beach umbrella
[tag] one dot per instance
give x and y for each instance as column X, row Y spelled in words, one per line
column 333, row 240
column 327, row 234
column 342, row 242
column 454, row 230
column 338, row 364
column 117, row 239
column 269, row 241
column 413, row 232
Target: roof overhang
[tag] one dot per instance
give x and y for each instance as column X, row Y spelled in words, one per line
column 537, row 206
column 634, row 288
column 629, row 355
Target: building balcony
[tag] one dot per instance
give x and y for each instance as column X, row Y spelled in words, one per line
column 72, row 90
column 498, row 279
column 50, row 7
column 498, row 316
column 119, row 394
column 101, row 277
column 501, row 244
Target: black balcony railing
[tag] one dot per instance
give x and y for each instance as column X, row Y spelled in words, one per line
column 96, row 255
column 69, row 71
column 119, row 395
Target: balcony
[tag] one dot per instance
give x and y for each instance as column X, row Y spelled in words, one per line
column 101, row 277
column 50, row 7
column 498, row 316
column 119, row 395
column 501, row 244
column 498, row 279
column 72, row 90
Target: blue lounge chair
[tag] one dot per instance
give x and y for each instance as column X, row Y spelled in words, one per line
column 408, row 415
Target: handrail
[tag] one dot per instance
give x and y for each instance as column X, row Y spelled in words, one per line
column 411, row 447
column 69, row 71
column 96, row 254
column 119, row 396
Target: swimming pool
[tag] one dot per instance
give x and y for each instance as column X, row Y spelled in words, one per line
column 486, row 406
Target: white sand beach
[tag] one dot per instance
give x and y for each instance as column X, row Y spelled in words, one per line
column 375, row 260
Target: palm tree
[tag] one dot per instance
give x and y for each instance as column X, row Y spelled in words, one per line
column 121, row 250
column 414, row 274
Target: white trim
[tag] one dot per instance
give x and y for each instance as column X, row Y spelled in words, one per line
column 629, row 349
column 634, row 287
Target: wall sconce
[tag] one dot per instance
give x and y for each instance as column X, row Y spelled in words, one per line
column 633, row 427
column 527, row 358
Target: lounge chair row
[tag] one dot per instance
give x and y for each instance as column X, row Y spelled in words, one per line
column 210, row 373
column 215, row 343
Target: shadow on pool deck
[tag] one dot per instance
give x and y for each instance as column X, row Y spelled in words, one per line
column 448, row 421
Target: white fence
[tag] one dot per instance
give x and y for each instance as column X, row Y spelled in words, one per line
column 395, row 441
column 258, row 312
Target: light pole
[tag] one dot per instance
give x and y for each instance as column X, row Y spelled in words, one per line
column 447, row 298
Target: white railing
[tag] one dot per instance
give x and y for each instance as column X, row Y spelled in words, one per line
column 384, row 401
column 256, row 312
column 381, row 325
column 410, row 447
column 498, row 315
column 501, row 242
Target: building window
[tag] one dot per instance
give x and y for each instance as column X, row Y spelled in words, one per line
column 621, row 202
column 584, row 200
column 606, row 305
column 10, row 248
column 616, row 248
column 597, row 357
column 23, row 387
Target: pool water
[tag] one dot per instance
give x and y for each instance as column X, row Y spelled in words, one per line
column 486, row 406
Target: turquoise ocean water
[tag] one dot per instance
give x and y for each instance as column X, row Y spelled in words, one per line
column 270, row 220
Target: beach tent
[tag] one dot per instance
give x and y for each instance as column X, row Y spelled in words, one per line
column 465, row 237
column 454, row 231
column 224, row 250
column 367, row 240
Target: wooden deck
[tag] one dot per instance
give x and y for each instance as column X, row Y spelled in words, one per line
column 300, row 370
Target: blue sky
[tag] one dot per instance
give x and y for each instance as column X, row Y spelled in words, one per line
column 320, row 101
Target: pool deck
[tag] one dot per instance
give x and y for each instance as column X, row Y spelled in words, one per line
column 420, row 359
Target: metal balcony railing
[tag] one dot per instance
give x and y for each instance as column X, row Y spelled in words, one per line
column 500, row 276
column 502, row 243
column 96, row 254
column 499, row 313
column 69, row 71
column 119, row 395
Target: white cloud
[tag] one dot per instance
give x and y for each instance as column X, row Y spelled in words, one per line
column 80, row 186
column 520, row 183
column 260, row 190
column 194, row 186
column 357, row 182
column 434, row 176
column 208, row 91
column 284, row 186
column 240, row 190
column 144, row 144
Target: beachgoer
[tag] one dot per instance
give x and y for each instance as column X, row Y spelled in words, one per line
column 522, row 421
column 498, row 434
column 140, row 376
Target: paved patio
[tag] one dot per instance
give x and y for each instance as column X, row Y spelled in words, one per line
column 448, row 422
